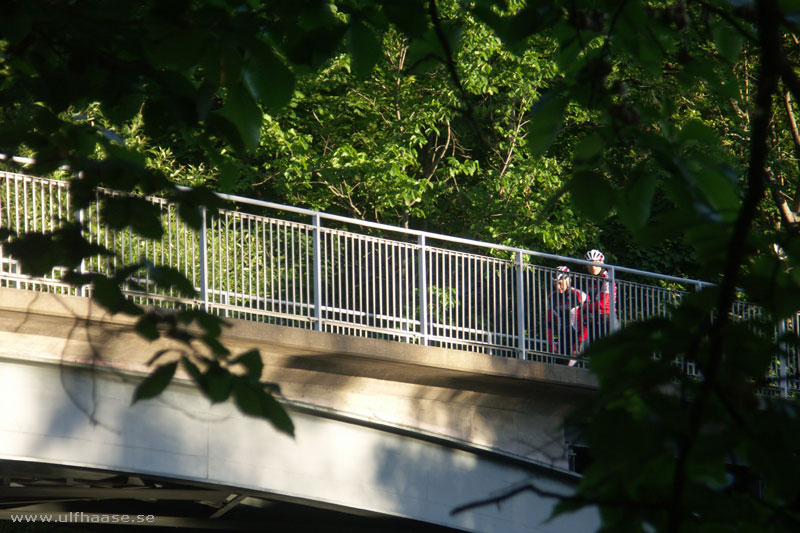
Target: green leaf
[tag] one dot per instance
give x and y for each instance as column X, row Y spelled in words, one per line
column 191, row 201
column 252, row 361
column 39, row 253
column 365, row 49
column 592, row 194
column 720, row 188
column 695, row 132
column 636, row 201
column 193, row 371
column 176, row 49
column 228, row 175
column 546, row 119
column 212, row 324
column 218, row 382
column 147, row 327
column 590, row 146
column 253, row 400
column 216, row 347
column 727, row 39
column 243, row 114
column 410, row 16
column 108, row 294
column 142, row 216
column 170, row 278
column 268, row 79
column 155, row 383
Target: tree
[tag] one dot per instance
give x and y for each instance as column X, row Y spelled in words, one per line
column 632, row 113
column 712, row 451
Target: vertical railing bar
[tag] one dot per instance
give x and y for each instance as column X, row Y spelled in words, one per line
column 80, row 217
column 520, row 309
column 449, row 326
column 252, row 264
column 376, row 296
column 613, row 297
column 338, row 272
column 285, row 299
column 362, row 284
column 212, row 269
column 388, row 286
column 283, row 287
column 25, row 203
column 317, row 274
column 271, row 268
column 203, row 259
column 238, row 263
column 458, row 277
column 305, row 269
column 34, row 206
column 783, row 362
column 423, row 291
column 227, row 285
column 261, row 269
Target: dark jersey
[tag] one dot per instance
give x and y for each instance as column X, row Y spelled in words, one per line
column 564, row 318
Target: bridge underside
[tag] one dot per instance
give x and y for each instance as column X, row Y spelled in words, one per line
column 75, row 498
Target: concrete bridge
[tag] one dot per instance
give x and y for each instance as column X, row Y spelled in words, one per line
column 390, row 436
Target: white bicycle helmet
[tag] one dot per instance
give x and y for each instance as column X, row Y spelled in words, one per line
column 561, row 272
column 595, row 255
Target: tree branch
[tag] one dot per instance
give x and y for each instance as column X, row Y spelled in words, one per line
column 787, row 105
column 769, row 42
column 450, row 64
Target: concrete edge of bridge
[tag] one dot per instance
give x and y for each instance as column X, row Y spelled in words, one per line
column 305, row 342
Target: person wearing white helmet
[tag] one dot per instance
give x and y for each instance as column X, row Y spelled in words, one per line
column 566, row 330
column 599, row 306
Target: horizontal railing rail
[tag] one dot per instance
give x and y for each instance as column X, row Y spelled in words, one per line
column 381, row 281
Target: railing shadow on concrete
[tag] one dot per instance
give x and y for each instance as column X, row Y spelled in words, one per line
column 341, row 275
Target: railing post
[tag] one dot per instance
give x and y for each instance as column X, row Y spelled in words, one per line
column 783, row 362
column 612, row 279
column 204, row 260
column 423, row 291
column 317, row 274
column 520, row 309
column 80, row 218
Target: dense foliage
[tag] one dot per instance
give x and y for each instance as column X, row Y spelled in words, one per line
column 554, row 125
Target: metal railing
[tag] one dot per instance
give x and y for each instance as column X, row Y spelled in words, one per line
column 341, row 275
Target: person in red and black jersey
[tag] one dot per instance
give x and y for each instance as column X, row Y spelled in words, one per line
column 566, row 330
column 598, row 308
